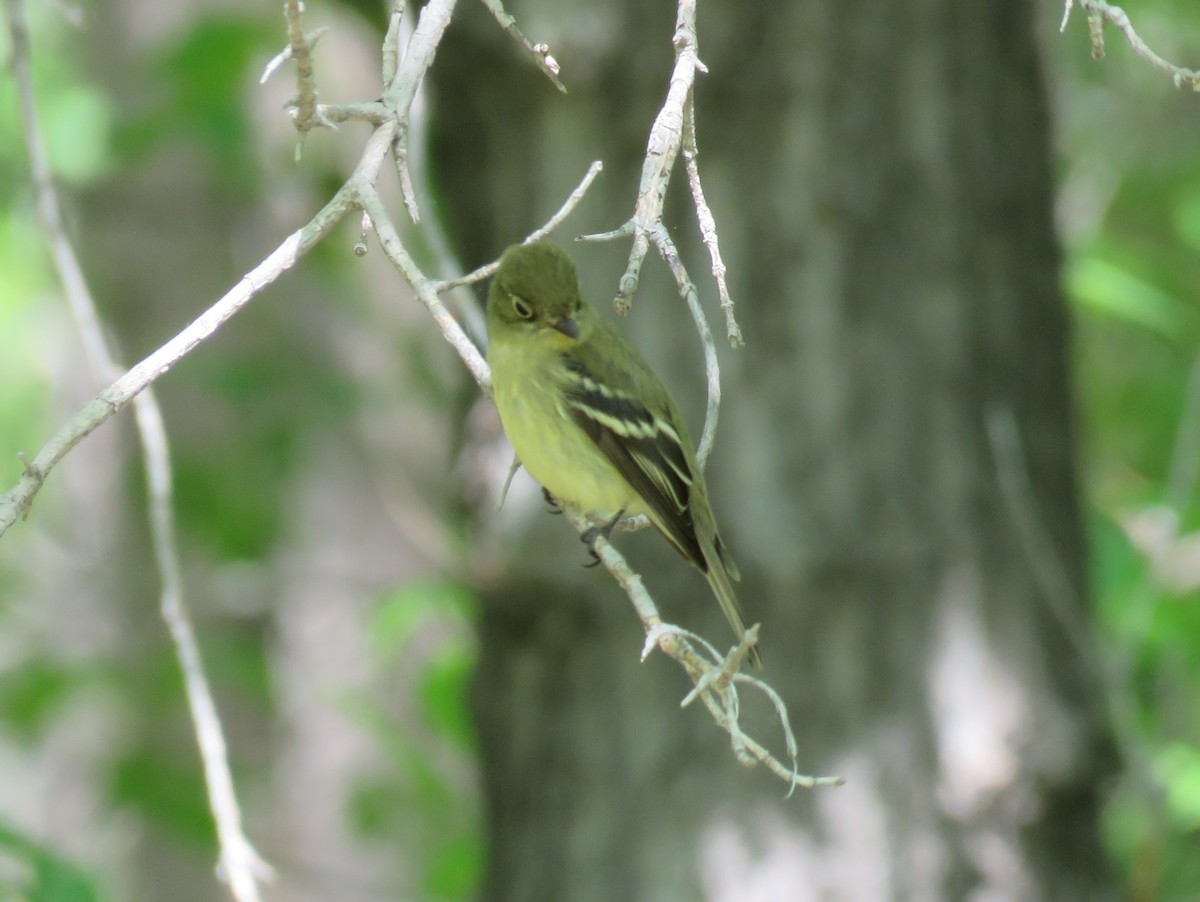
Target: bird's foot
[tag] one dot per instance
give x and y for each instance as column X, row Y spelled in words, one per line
column 601, row 531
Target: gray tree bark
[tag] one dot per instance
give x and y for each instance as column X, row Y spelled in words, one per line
column 881, row 180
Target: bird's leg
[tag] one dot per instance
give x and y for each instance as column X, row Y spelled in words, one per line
column 555, row 507
column 596, row 532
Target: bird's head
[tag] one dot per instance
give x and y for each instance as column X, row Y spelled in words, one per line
column 536, row 290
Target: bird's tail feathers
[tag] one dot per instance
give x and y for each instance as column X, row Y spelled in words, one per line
column 718, row 574
column 726, row 559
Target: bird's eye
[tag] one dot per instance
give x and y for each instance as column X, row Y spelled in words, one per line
column 522, row 309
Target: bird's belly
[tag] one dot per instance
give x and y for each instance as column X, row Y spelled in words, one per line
column 559, row 455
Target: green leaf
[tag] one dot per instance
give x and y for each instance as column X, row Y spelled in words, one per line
column 168, row 791
column 1185, row 217
column 1178, row 766
column 51, row 877
column 398, row 617
column 1106, row 289
column 1117, row 570
column 454, row 870
column 32, row 693
column 77, row 125
column 444, row 694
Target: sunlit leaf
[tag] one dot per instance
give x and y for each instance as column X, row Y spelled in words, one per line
column 1186, row 217
column 50, row 877
column 397, row 617
column 76, row 125
column 454, row 871
column 1106, row 289
column 32, row 693
column 1178, row 767
column 444, row 694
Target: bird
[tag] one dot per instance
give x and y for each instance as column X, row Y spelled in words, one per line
column 590, row 421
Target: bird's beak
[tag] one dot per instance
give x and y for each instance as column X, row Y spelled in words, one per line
column 567, row 327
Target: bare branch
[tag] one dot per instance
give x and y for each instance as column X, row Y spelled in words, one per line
column 407, row 191
column 662, row 149
column 240, row 863
column 540, row 52
column 1099, row 12
column 712, row 367
column 371, row 112
column 708, row 225
column 423, row 287
column 400, row 93
column 715, row 678
column 572, row 201
column 418, row 56
column 390, row 58
column 623, row 231
column 674, row 130
column 17, row 501
column 304, row 108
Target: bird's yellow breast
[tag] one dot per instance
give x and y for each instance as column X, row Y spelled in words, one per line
column 552, row 448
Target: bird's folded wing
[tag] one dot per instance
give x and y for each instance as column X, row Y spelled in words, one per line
column 645, row 449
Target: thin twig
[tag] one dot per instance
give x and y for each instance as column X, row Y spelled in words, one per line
column 662, row 149
column 712, row 367
column 112, row 399
column 715, row 677
column 423, row 287
column 673, row 130
column 393, row 40
column 540, row 52
column 372, row 112
column 240, row 863
column 400, row 93
column 390, row 57
column 304, row 108
column 572, row 201
column 708, row 225
column 17, row 501
column 622, row 231
column 407, row 191
column 1099, row 12
column 418, row 57
column 1111, row 673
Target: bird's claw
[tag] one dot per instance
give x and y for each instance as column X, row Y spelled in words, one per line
column 600, row 531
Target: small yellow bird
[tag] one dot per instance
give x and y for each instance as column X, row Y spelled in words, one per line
column 588, row 418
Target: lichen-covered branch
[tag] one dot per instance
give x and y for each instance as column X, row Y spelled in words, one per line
column 1099, row 13
column 715, row 676
column 674, row 130
column 539, row 52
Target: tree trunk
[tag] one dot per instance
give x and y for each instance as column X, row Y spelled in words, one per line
column 893, row 472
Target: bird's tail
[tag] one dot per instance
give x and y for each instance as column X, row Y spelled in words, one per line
column 720, row 569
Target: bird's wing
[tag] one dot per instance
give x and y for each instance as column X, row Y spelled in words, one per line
column 646, row 449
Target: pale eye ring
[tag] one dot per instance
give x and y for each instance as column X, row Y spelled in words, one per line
column 522, row 309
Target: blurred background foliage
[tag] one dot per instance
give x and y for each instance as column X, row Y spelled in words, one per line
column 1129, row 216
column 304, row 396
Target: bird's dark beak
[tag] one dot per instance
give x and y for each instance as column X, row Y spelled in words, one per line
column 567, row 327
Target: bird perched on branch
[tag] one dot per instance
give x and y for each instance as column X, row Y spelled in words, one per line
column 588, row 418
